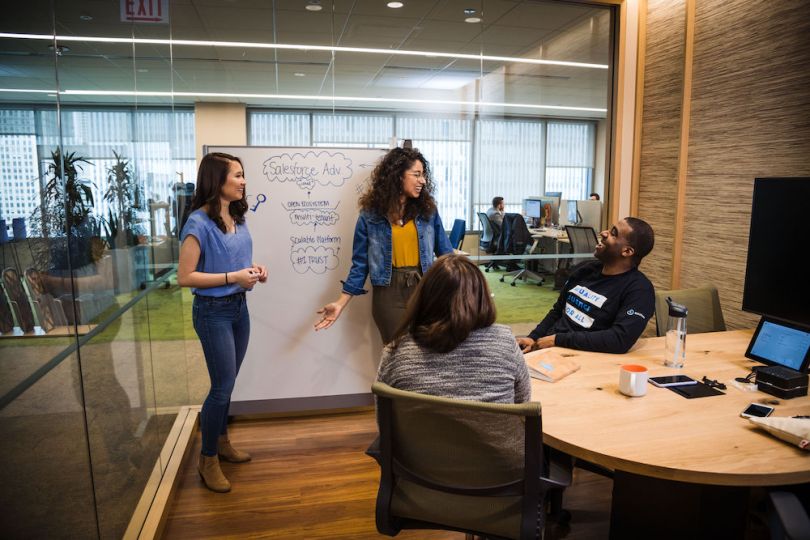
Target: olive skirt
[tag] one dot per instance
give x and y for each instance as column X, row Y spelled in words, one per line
column 388, row 303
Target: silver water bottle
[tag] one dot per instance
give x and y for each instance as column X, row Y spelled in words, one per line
column 676, row 335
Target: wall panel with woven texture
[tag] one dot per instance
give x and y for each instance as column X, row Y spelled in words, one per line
column 750, row 117
column 660, row 131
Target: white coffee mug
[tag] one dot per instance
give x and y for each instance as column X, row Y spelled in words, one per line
column 633, row 380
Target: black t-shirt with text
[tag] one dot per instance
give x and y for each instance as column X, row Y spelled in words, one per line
column 599, row 313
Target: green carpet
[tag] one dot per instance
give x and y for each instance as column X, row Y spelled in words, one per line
column 523, row 303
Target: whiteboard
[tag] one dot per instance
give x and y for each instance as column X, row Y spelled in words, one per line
column 302, row 209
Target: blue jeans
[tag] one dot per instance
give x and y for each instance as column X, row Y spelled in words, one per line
column 223, row 325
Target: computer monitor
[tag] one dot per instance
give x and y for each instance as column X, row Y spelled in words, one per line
column 572, row 214
column 544, row 211
column 774, row 285
column 777, row 343
column 557, row 194
column 533, row 208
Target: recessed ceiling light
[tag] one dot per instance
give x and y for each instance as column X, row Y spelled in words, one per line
column 395, row 5
column 85, row 17
column 314, row 5
column 472, row 20
column 143, row 70
column 299, row 74
column 471, row 16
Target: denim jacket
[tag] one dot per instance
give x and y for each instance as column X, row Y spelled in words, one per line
column 371, row 250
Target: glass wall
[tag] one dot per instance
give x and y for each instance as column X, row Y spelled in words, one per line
column 94, row 360
column 98, row 109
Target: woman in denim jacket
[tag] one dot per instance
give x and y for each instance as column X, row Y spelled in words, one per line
column 397, row 237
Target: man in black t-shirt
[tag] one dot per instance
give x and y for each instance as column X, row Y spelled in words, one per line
column 605, row 304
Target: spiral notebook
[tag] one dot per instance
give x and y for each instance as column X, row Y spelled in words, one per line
column 548, row 365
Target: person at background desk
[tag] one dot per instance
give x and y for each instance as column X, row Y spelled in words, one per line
column 448, row 344
column 397, row 237
column 216, row 260
column 594, row 197
column 605, row 304
column 496, row 213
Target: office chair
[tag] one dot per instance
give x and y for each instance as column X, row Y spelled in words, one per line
column 19, row 301
column 517, row 240
column 787, row 518
column 490, row 235
column 582, row 239
column 457, row 233
column 703, row 303
column 462, row 465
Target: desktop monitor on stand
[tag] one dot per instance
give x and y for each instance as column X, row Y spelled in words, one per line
column 544, row 211
column 773, row 285
column 572, row 213
column 533, row 210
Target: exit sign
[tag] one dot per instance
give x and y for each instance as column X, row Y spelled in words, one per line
column 145, row 11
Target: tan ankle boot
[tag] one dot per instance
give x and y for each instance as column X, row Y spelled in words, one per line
column 229, row 453
column 212, row 475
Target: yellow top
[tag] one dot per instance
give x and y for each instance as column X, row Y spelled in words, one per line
column 405, row 245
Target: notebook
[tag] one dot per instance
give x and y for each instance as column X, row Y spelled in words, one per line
column 548, row 365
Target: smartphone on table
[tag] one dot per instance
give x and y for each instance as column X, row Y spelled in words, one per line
column 672, row 380
column 757, row 409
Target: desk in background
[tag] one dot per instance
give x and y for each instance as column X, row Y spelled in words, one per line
column 683, row 467
column 549, row 241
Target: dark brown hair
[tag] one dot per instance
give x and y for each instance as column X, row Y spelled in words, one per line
column 451, row 300
column 211, row 177
column 641, row 238
column 382, row 196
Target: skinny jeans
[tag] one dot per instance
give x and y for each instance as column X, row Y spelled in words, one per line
column 223, row 326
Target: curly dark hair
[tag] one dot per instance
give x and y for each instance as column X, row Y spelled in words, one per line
column 382, row 196
column 211, row 177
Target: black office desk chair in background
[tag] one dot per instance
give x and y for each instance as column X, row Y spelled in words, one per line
column 517, row 240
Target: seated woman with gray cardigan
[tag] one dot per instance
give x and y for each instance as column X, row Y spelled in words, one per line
column 448, row 344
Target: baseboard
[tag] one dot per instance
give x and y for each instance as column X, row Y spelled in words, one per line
column 149, row 516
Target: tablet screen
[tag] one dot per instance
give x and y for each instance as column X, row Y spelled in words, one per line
column 778, row 343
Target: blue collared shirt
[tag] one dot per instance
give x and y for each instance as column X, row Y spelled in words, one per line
column 372, row 249
column 219, row 252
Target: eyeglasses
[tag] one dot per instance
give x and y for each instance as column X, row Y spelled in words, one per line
column 417, row 174
column 711, row 383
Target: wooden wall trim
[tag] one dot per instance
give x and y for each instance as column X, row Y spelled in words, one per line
column 618, row 113
column 640, row 63
column 683, row 155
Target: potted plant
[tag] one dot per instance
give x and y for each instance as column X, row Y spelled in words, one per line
column 66, row 211
column 124, row 196
column 122, row 225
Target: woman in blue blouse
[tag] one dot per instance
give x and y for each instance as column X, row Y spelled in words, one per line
column 216, row 261
column 397, row 236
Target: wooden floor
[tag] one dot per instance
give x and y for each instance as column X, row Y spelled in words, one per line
column 309, row 478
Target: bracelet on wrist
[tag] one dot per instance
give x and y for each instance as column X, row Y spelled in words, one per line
column 226, row 278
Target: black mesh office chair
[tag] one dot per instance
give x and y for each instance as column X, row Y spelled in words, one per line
column 516, row 240
column 582, row 239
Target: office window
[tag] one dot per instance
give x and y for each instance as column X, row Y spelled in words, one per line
column 513, row 158
column 570, row 158
column 19, row 173
column 352, row 130
column 278, row 129
column 159, row 144
column 509, row 162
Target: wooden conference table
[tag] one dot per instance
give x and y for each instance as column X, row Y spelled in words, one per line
column 683, row 467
